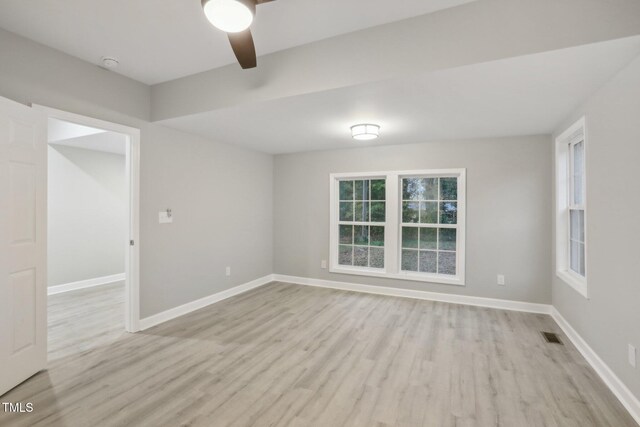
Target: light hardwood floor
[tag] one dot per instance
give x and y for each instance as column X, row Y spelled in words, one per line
column 292, row 355
column 85, row 319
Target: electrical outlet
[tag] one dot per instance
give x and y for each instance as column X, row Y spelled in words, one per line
column 501, row 279
column 323, row 263
column 228, row 271
column 632, row 355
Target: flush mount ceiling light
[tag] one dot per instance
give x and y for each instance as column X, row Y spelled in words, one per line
column 365, row 132
column 231, row 16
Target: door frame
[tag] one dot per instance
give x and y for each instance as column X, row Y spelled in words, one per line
column 132, row 161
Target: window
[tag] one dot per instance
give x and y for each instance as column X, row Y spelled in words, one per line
column 429, row 225
column 404, row 225
column 576, row 207
column 571, row 212
column 361, row 223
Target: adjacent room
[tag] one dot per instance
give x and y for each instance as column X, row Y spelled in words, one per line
column 87, row 236
column 302, row 213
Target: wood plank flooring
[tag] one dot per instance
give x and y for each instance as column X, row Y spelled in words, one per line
column 85, row 319
column 288, row 355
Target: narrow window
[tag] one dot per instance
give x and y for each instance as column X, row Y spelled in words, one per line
column 571, row 207
column 576, row 208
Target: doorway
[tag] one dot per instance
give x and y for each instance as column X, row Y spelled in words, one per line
column 93, row 230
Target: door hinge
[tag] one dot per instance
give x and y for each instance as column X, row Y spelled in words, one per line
column 131, row 243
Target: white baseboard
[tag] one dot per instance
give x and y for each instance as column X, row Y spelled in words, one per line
column 82, row 284
column 181, row 310
column 424, row 295
column 626, row 397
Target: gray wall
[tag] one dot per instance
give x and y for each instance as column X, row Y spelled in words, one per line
column 183, row 261
column 508, row 211
column 610, row 319
column 87, row 214
column 221, row 198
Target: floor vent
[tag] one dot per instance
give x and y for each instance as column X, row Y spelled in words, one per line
column 551, row 337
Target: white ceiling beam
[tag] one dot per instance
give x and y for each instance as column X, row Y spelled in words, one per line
column 33, row 73
column 478, row 32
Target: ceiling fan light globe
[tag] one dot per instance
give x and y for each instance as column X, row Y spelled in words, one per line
column 230, row 16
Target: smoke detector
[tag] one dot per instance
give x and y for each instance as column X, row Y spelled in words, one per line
column 109, row 63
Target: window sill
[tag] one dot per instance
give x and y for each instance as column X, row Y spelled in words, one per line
column 579, row 284
column 416, row 277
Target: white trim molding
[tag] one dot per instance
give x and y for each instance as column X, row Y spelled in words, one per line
column 624, row 395
column 88, row 283
column 189, row 307
column 132, row 243
column 500, row 304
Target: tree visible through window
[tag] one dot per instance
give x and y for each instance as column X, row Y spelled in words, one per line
column 362, row 214
column 429, row 225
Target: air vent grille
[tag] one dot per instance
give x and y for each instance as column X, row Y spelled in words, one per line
column 551, row 337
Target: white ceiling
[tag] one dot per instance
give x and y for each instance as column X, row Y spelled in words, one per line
column 78, row 136
column 160, row 40
column 59, row 130
column 518, row 96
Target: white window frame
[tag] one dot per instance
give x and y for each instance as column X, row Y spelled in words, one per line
column 393, row 224
column 564, row 203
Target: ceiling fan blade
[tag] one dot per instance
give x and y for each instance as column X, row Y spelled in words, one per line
column 243, row 48
column 263, row 1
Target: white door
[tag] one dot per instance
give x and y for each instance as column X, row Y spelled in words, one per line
column 23, row 309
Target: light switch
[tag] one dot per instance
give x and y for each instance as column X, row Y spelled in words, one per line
column 165, row 217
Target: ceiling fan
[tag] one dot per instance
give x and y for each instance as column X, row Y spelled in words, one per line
column 234, row 17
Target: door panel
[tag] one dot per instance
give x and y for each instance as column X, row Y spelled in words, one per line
column 22, row 286
column 23, row 324
column 22, row 181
